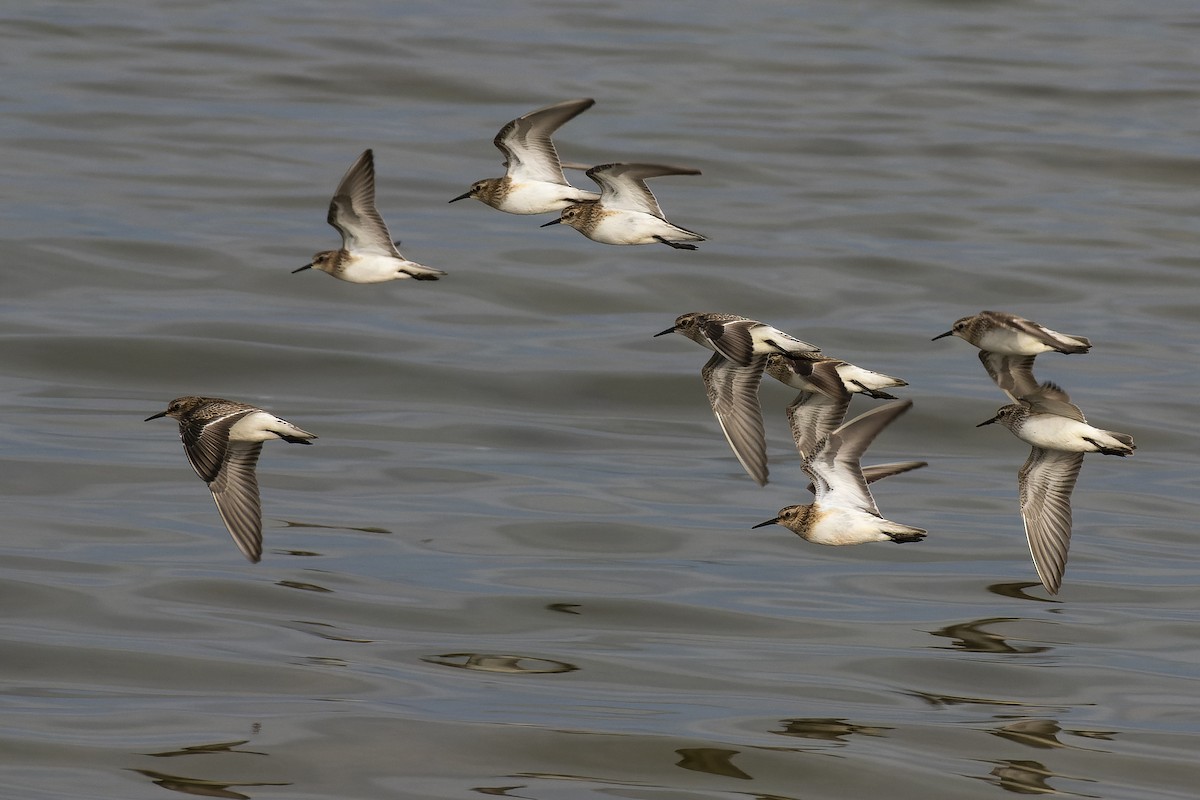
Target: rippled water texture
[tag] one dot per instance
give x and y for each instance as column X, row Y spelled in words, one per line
column 518, row 561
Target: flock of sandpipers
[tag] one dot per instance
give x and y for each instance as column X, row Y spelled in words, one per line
column 223, row 438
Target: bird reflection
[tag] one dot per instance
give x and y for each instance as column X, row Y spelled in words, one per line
column 713, row 760
column 1042, row 733
column 1016, row 591
column 563, row 608
column 306, row 587
column 368, row 529
column 201, row 788
column 827, row 729
column 1028, row 777
column 940, row 700
column 971, row 637
column 202, row 749
column 485, row 662
column 499, row 791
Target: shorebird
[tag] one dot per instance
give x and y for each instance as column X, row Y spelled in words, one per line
column 826, row 385
column 1060, row 435
column 843, row 511
column 368, row 254
column 223, row 439
column 627, row 212
column 533, row 182
column 731, row 377
column 1008, row 344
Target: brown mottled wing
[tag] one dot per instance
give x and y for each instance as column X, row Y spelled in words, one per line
column 1045, row 482
column 206, row 441
column 352, row 210
column 732, row 338
column 1013, row 374
column 235, row 491
column 733, row 395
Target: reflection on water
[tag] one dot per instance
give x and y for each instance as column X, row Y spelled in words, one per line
column 971, row 637
column 829, row 730
column 198, row 787
column 713, row 760
column 1029, row 777
column 1017, row 591
column 201, row 749
column 1043, row 733
column 500, row 663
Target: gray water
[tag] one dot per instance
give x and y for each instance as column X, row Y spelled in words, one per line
column 518, row 561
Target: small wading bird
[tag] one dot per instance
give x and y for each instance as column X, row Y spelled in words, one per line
column 843, row 511
column 533, row 181
column 223, row 439
column 368, row 254
column 1008, row 344
column 1060, row 435
column 627, row 212
column 731, row 377
column 825, row 385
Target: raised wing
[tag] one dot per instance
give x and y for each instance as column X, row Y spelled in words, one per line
column 623, row 186
column 352, row 210
column 529, row 152
column 834, row 463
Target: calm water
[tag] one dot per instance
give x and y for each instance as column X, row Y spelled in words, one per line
column 518, row 560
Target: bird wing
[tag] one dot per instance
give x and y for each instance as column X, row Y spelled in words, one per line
column 206, row 441
column 352, row 211
column 812, row 415
column 1050, row 338
column 732, row 338
column 235, row 490
column 529, row 153
column 623, row 186
column 733, row 394
column 1050, row 398
column 834, row 463
column 1013, row 374
column 1045, row 482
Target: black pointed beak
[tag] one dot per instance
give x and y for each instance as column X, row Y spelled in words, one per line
column 765, row 524
column 989, row 421
column 664, row 333
column 551, row 222
column 301, row 269
column 156, row 416
column 942, row 336
column 462, row 196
